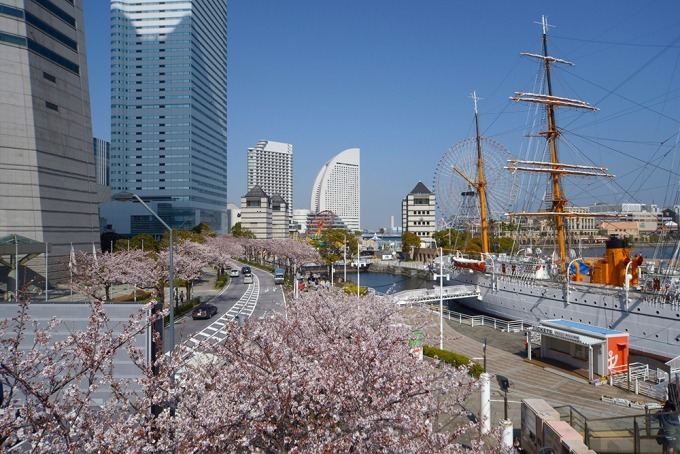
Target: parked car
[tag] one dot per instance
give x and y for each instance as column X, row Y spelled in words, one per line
column 248, row 278
column 204, row 310
column 245, row 270
column 233, row 272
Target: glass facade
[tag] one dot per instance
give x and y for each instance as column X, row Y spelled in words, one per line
column 169, row 105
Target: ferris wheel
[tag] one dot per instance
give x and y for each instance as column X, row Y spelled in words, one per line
column 457, row 199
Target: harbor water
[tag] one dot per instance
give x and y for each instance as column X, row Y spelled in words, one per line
column 384, row 283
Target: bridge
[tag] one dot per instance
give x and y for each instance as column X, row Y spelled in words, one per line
column 428, row 296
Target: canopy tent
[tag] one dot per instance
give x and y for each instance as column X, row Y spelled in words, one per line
column 18, row 250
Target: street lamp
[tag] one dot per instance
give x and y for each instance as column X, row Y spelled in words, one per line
column 126, row 197
column 441, row 277
column 344, row 259
column 358, row 269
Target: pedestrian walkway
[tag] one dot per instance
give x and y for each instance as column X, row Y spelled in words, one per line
column 203, row 288
column 536, row 379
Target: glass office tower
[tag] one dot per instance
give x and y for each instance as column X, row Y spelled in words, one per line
column 169, row 109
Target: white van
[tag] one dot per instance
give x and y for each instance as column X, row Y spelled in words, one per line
column 279, row 275
column 247, row 278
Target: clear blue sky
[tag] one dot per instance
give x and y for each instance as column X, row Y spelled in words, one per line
column 394, row 78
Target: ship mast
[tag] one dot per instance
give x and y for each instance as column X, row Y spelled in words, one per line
column 555, row 168
column 480, row 183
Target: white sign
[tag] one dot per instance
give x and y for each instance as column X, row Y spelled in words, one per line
column 571, row 337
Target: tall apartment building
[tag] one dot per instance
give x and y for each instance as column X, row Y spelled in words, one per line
column 418, row 214
column 47, row 182
column 270, row 166
column 169, row 110
column 337, row 188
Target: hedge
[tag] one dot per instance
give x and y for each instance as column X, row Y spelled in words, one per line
column 454, row 359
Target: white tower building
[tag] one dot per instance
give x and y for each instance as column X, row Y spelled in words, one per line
column 270, row 166
column 169, row 109
column 337, row 188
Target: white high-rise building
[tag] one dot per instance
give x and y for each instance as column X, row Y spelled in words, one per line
column 47, row 181
column 169, row 110
column 270, row 166
column 337, row 188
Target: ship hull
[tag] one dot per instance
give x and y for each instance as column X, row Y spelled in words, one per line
column 653, row 324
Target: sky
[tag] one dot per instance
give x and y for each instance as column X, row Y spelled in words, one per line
column 394, row 78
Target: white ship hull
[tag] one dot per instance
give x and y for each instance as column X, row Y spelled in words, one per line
column 652, row 321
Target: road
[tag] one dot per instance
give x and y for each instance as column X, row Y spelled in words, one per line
column 236, row 299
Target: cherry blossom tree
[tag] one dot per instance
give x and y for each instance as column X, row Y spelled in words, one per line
column 47, row 389
column 333, row 374
column 189, row 260
column 94, row 274
column 223, row 249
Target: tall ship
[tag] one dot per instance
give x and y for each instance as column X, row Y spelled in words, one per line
column 621, row 290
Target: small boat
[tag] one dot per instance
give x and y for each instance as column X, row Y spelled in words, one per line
column 470, row 264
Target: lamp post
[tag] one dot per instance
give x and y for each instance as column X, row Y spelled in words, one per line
column 126, row 197
column 358, row 269
column 441, row 276
column 344, row 259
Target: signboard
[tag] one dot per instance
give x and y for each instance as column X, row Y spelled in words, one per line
column 564, row 335
column 617, row 353
column 415, row 343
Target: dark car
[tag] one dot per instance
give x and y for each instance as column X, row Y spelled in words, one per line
column 204, row 311
column 245, row 270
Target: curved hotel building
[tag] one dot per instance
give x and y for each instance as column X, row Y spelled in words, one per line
column 169, row 110
column 337, row 188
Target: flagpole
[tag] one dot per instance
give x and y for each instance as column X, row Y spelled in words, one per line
column 70, row 267
column 47, row 280
column 16, row 269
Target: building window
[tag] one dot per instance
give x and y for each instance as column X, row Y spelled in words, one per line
column 52, row 106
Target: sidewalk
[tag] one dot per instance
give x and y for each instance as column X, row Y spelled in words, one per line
column 535, row 379
column 204, row 288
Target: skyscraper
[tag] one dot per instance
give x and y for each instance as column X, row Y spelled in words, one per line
column 337, row 188
column 47, row 184
column 169, row 107
column 270, row 166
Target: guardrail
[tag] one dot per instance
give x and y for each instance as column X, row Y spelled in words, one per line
column 508, row 326
column 640, row 380
column 421, row 297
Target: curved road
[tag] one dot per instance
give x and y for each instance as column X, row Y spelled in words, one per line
column 237, row 299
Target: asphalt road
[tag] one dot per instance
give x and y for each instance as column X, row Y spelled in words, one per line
column 263, row 297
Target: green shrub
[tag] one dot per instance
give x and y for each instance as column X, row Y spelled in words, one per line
column 221, row 280
column 453, row 359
